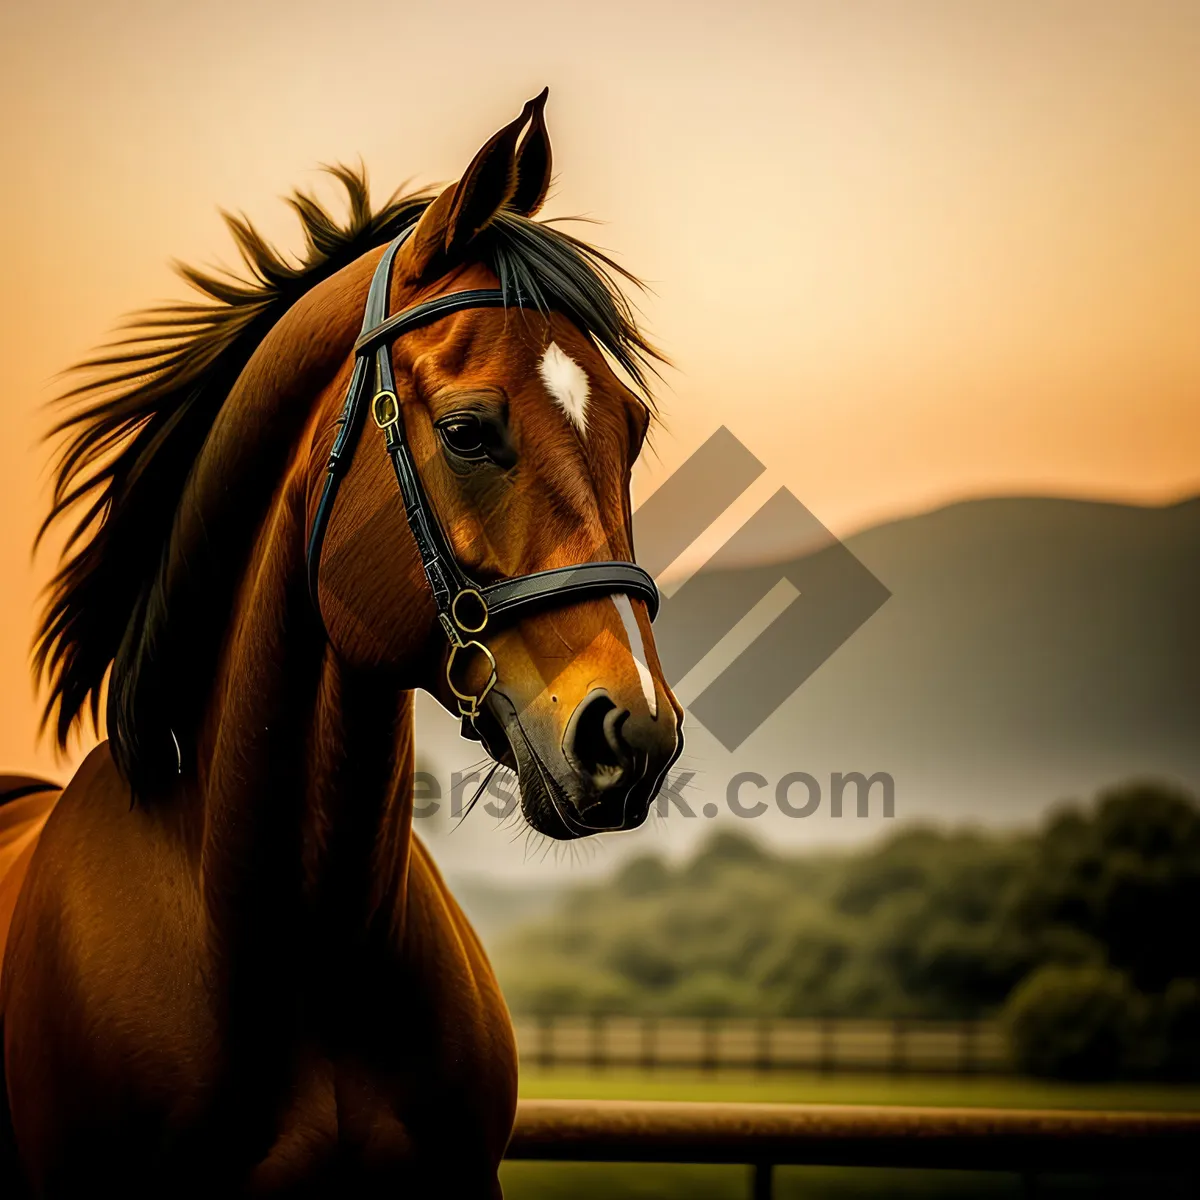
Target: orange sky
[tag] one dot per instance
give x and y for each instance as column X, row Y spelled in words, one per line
column 907, row 252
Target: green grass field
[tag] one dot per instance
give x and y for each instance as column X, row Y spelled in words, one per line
column 610, row 1181
column 995, row 1092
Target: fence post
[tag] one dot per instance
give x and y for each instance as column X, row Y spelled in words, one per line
column 649, row 1043
column 898, row 1062
column 708, row 1054
column 762, row 1055
column 968, row 1051
column 764, row 1181
column 825, row 1061
column 599, row 1046
column 545, row 1043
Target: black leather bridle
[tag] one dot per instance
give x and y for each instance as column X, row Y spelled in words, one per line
column 464, row 608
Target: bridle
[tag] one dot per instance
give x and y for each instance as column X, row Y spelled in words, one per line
column 464, row 608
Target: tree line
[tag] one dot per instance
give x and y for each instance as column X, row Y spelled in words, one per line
column 1080, row 935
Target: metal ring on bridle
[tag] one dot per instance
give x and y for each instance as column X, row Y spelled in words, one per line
column 473, row 595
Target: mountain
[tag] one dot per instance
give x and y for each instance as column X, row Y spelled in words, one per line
column 1032, row 650
column 1030, row 646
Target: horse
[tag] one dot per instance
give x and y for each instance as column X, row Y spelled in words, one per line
column 232, row 968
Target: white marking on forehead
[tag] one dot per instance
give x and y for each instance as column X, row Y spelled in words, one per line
column 634, row 634
column 566, row 381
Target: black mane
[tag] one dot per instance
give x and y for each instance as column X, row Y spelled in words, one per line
column 139, row 418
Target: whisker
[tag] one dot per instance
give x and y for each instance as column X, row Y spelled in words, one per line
column 475, row 798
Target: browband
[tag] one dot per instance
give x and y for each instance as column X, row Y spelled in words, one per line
column 463, row 607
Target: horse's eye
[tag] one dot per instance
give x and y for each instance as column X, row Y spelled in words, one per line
column 463, row 435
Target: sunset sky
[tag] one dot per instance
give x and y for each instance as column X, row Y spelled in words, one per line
column 907, row 252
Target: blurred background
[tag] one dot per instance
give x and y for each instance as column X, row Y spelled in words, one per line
column 937, row 266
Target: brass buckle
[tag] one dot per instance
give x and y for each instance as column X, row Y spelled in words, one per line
column 385, row 409
column 468, row 614
column 468, row 610
column 469, row 703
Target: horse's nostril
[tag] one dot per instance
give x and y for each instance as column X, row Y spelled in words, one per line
column 593, row 742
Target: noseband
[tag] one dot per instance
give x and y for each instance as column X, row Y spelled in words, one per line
column 464, row 608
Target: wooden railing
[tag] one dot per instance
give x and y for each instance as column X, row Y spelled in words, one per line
column 766, row 1135
column 648, row 1043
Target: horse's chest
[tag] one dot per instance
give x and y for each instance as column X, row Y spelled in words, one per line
column 349, row 1122
column 406, row 1073
column 337, row 1124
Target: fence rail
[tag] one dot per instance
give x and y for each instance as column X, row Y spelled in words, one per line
column 832, row 1045
column 765, row 1135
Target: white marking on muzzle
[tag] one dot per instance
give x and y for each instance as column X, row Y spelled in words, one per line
column 567, row 383
column 634, row 634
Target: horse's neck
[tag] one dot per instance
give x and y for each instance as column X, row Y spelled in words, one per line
column 358, row 810
column 306, row 776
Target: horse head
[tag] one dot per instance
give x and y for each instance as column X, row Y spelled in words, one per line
column 523, row 437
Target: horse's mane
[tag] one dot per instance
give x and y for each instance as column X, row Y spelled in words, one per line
column 138, row 420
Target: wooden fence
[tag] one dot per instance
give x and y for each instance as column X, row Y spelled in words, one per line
column 828, row 1046
column 1028, row 1142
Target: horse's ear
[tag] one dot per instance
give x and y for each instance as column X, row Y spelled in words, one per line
column 464, row 210
column 533, row 162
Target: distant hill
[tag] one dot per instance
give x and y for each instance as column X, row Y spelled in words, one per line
column 1029, row 644
column 1032, row 650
